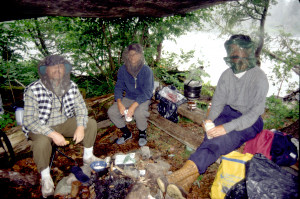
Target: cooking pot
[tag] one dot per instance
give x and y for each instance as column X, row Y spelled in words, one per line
column 192, row 89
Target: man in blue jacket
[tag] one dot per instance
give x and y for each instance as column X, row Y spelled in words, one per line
column 135, row 79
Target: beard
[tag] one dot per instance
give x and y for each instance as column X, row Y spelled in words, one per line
column 57, row 87
column 133, row 69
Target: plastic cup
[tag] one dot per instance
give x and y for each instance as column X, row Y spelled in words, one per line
column 128, row 119
column 208, row 126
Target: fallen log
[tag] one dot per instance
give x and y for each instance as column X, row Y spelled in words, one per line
column 184, row 135
column 104, row 124
column 197, row 115
column 98, row 106
column 18, row 140
column 27, row 180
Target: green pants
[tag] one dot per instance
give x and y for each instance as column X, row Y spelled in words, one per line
column 42, row 144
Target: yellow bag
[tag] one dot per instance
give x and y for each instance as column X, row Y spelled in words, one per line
column 231, row 171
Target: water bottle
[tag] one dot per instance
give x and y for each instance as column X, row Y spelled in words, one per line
column 19, row 115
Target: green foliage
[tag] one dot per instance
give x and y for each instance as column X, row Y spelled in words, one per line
column 170, row 79
column 279, row 114
column 168, row 72
column 6, row 119
column 185, row 120
column 197, row 182
column 207, row 89
column 24, row 72
column 202, row 105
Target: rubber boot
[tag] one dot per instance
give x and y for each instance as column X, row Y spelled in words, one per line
column 180, row 189
column 188, row 169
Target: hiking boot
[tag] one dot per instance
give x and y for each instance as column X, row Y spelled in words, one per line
column 47, row 186
column 126, row 135
column 188, row 169
column 142, row 138
column 180, row 189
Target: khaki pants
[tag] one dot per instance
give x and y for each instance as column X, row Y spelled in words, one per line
column 42, row 144
column 140, row 116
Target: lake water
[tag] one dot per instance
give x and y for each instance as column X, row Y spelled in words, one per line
column 210, row 49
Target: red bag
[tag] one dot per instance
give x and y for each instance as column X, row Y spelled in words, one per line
column 262, row 143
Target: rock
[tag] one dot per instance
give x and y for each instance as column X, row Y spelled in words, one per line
column 145, row 153
column 139, row 191
column 62, row 188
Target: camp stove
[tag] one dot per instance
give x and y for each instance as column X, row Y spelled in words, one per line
column 192, row 90
column 192, row 104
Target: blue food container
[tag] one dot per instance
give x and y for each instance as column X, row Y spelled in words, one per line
column 98, row 166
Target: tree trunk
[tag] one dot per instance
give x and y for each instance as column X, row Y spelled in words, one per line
column 262, row 32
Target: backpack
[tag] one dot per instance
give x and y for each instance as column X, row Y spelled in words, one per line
column 169, row 100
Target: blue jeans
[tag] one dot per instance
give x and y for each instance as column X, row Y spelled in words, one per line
column 211, row 149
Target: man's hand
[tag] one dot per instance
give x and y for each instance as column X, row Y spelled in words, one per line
column 216, row 131
column 58, row 138
column 79, row 134
column 121, row 107
column 132, row 108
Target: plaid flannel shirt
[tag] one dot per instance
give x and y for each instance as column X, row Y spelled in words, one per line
column 42, row 108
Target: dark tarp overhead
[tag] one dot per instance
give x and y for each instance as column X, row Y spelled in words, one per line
column 23, row 9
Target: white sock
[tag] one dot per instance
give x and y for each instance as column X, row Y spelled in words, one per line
column 87, row 152
column 45, row 173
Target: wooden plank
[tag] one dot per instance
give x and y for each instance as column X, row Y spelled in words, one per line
column 184, row 135
column 196, row 115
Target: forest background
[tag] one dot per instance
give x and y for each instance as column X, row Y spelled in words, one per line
column 94, row 46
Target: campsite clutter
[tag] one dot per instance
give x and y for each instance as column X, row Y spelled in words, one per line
column 133, row 173
column 265, row 175
column 127, row 175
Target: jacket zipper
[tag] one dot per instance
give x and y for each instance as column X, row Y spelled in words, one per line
column 135, row 82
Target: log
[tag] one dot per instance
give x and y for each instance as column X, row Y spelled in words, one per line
column 184, row 135
column 103, row 124
column 18, row 140
column 98, row 106
column 197, row 115
column 27, row 180
column 90, row 102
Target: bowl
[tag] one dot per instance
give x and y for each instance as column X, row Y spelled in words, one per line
column 98, row 166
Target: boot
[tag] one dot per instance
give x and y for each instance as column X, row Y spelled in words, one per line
column 188, row 169
column 180, row 189
column 126, row 135
column 142, row 138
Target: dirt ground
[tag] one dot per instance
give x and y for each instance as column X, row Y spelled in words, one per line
column 173, row 151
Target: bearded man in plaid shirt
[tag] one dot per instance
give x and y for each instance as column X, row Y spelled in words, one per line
column 54, row 109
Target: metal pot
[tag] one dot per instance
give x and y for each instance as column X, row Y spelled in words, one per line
column 192, row 89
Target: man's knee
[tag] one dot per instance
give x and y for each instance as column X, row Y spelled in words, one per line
column 92, row 124
column 42, row 143
column 141, row 113
column 112, row 111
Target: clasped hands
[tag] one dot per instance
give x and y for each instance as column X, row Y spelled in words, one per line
column 131, row 109
column 216, row 131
